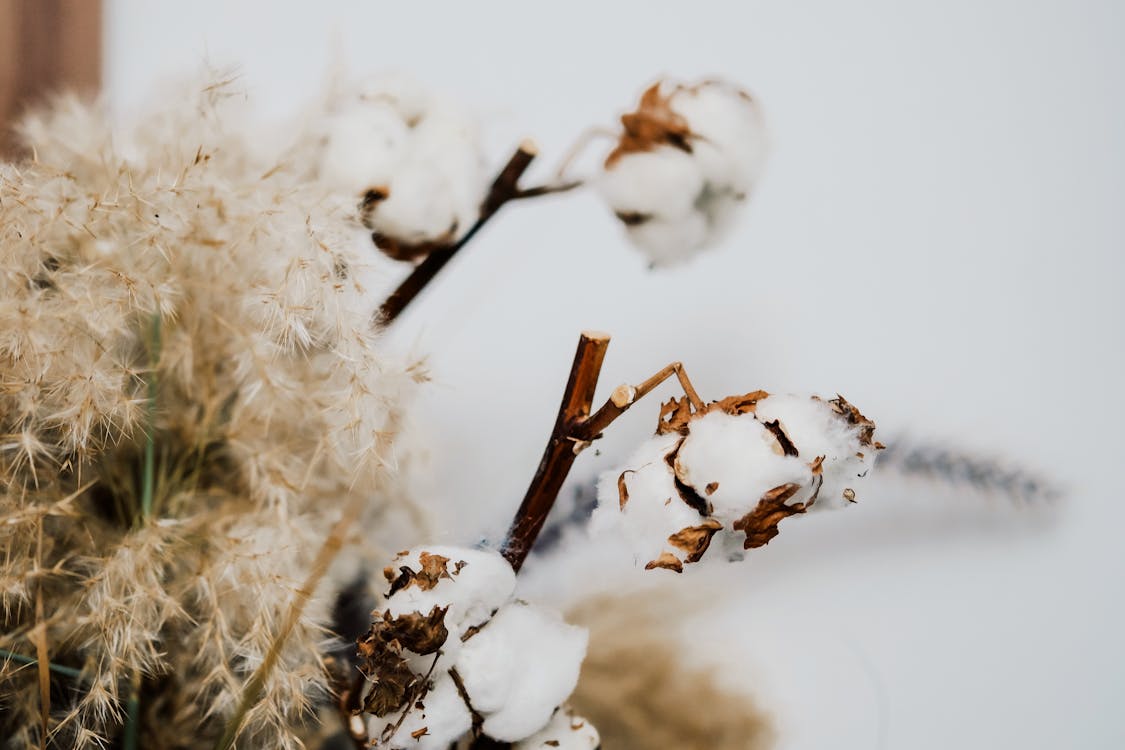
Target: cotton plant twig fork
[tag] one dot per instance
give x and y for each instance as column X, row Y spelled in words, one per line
column 575, row 428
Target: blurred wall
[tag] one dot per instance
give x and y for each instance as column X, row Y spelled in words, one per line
column 46, row 46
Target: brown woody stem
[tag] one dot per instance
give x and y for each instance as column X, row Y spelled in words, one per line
column 574, row 430
column 561, row 450
column 505, row 188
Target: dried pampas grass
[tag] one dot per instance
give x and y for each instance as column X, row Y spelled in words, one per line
column 190, row 393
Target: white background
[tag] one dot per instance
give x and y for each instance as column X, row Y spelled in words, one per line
column 939, row 237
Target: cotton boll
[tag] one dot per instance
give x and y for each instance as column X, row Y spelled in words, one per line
column 733, row 460
column 437, row 191
column 565, row 731
column 547, row 655
column 663, row 183
column 694, row 151
column 475, row 583
column 413, row 158
column 738, row 468
column 643, row 504
column 668, row 242
column 419, row 205
column 440, row 720
column 363, row 148
column 817, row 429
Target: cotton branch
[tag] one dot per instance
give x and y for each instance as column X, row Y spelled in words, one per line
column 575, row 428
column 505, row 188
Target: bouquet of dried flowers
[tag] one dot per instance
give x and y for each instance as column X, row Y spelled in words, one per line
column 206, row 447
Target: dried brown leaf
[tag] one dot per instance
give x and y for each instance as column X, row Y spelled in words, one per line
column 784, row 443
column 674, row 416
column 422, row 634
column 394, row 684
column 694, row 540
column 853, row 417
column 668, row 561
column 653, row 124
column 760, row 524
column 623, row 489
column 433, row 570
column 738, row 405
column 686, row 492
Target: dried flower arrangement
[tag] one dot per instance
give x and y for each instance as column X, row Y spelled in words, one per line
column 197, row 416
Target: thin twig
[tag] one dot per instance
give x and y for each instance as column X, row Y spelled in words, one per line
column 558, row 187
column 624, row 396
column 585, row 139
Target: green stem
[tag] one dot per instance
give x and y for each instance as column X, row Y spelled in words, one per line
column 21, row 659
column 148, row 480
column 132, row 714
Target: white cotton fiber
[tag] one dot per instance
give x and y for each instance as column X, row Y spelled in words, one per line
column 653, row 510
column 538, row 673
column 663, row 182
column 818, row 430
column 668, row 241
column 740, row 459
column 731, row 143
column 363, row 148
column 565, row 731
column 471, row 592
column 442, row 718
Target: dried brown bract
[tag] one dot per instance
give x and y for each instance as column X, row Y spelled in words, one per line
column 760, row 524
column 654, row 123
column 393, row 683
